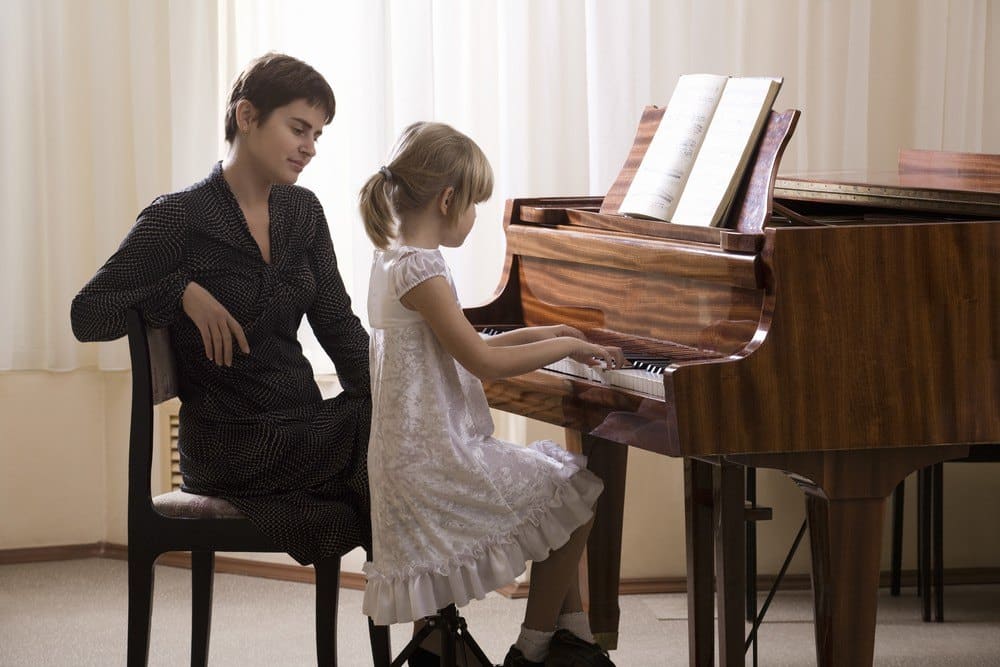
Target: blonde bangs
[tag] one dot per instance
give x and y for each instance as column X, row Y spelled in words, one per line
column 479, row 177
column 472, row 176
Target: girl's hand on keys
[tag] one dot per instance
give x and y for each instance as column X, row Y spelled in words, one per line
column 599, row 355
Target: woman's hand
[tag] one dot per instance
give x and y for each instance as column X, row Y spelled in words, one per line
column 596, row 355
column 216, row 325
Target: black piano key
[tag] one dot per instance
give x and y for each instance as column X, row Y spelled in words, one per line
column 653, row 363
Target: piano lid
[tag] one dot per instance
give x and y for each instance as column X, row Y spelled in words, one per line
column 927, row 181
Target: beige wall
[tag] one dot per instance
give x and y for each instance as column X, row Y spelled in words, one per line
column 53, row 486
column 63, row 481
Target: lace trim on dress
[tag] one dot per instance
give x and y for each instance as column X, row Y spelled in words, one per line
column 423, row 588
column 413, row 267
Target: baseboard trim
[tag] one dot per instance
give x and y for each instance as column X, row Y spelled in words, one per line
column 647, row 585
column 44, row 554
column 791, row 582
column 223, row 564
column 356, row 580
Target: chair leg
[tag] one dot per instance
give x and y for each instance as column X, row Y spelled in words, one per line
column 896, row 566
column 751, row 547
column 937, row 530
column 140, row 605
column 381, row 646
column 327, row 590
column 924, row 541
column 920, row 527
column 202, row 575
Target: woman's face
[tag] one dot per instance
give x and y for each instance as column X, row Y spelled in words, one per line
column 283, row 145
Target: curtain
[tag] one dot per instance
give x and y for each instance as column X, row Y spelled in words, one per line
column 108, row 103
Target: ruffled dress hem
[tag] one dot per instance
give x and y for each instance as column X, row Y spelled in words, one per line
column 422, row 589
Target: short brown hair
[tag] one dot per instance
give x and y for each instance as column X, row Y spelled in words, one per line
column 274, row 80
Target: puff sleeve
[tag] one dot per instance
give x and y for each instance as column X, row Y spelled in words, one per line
column 413, row 267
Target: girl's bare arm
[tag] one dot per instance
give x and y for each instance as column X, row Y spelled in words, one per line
column 434, row 300
column 532, row 334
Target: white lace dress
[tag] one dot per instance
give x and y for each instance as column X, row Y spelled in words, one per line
column 456, row 512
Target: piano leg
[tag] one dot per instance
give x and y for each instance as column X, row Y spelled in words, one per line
column 698, row 516
column 730, row 562
column 713, row 509
column 846, row 492
column 845, row 538
column 608, row 461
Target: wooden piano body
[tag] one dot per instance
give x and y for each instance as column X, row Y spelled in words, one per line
column 847, row 353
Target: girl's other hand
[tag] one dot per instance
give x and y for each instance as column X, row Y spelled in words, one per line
column 597, row 355
column 216, row 325
column 566, row 330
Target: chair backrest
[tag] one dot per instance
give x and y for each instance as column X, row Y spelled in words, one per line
column 154, row 380
column 158, row 357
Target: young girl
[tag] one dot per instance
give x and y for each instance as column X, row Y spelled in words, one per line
column 455, row 511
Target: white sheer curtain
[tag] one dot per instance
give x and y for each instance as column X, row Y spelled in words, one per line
column 100, row 115
column 109, row 103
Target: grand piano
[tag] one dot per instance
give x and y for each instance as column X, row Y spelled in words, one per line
column 842, row 329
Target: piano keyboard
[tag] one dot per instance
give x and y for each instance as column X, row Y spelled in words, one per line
column 645, row 375
column 637, row 379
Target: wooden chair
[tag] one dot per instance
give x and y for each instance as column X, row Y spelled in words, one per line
column 930, row 531
column 180, row 521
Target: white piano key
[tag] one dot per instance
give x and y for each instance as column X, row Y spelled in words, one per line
column 646, row 382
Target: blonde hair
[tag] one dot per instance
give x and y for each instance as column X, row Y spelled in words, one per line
column 428, row 158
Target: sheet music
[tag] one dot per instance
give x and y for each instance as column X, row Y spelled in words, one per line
column 664, row 170
column 730, row 140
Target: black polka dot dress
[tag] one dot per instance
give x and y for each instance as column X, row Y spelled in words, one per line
column 257, row 433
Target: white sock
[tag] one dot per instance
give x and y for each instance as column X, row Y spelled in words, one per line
column 577, row 623
column 534, row 644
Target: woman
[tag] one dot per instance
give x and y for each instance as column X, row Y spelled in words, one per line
column 230, row 265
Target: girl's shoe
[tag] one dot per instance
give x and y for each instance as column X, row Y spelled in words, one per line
column 516, row 659
column 568, row 650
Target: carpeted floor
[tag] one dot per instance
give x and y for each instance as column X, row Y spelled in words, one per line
column 73, row 613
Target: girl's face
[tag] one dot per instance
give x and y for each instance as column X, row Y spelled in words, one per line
column 455, row 235
column 283, row 145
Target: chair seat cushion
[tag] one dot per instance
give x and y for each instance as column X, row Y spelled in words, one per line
column 181, row 505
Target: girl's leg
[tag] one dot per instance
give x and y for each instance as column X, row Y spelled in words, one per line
column 571, row 616
column 551, row 582
column 573, row 602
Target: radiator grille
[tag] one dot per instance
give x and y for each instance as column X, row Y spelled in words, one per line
column 170, row 427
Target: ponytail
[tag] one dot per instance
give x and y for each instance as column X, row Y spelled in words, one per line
column 376, row 211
